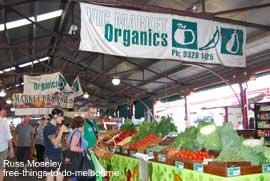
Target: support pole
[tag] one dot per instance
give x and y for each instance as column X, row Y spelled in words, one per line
column 187, row 113
column 244, row 105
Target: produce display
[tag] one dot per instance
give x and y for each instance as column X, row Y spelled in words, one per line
column 145, row 128
column 161, row 128
column 128, row 126
column 124, row 135
column 109, row 134
column 221, row 145
column 147, row 141
column 187, row 140
column 165, row 126
column 125, row 141
column 197, row 155
column 234, row 148
column 157, row 148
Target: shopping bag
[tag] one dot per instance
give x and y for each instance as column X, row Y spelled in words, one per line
column 99, row 168
column 87, row 165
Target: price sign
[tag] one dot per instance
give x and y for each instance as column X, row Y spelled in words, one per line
column 233, row 171
column 149, row 152
column 179, row 165
column 111, row 148
column 117, row 149
column 161, row 158
column 198, row 167
column 132, row 153
column 266, row 168
column 125, row 151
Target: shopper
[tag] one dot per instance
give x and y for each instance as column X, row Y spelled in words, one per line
column 52, row 142
column 6, row 147
column 23, row 140
column 39, row 140
column 76, row 141
column 91, row 127
column 91, row 135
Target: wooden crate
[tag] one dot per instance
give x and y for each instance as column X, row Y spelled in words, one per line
column 161, row 157
column 145, row 146
column 188, row 164
column 221, row 168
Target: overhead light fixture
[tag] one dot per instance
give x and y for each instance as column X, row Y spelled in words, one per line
column 33, row 62
column 3, row 93
column 1, row 72
column 43, row 59
column 116, row 81
column 194, row 8
column 86, row 95
column 9, row 69
column 8, row 101
column 12, row 109
column 23, row 22
column 49, row 15
column 26, row 64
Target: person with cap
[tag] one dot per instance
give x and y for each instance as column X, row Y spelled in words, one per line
column 52, row 142
column 6, row 146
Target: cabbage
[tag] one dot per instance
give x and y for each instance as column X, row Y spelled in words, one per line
column 253, row 142
column 209, row 137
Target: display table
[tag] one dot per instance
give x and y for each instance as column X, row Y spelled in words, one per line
column 126, row 166
column 167, row 173
column 158, row 171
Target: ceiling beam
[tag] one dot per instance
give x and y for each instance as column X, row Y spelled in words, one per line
column 104, row 75
column 3, row 6
column 156, row 9
column 56, row 40
column 150, row 70
column 10, row 51
column 170, row 72
column 241, row 9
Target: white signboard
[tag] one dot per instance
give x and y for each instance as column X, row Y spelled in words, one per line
column 140, row 34
column 50, row 84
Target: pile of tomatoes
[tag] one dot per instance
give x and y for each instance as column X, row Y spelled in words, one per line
column 197, row 155
column 145, row 141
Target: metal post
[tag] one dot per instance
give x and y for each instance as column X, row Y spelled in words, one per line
column 244, row 107
column 226, row 117
column 153, row 107
column 187, row 112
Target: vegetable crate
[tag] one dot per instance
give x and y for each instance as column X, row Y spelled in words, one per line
column 143, row 147
column 187, row 163
column 161, row 157
column 230, row 169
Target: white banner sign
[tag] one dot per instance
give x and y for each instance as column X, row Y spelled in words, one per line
column 140, row 34
column 49, row 84
column 42, row 101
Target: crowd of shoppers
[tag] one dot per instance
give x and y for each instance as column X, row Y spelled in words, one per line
column 47, row 138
